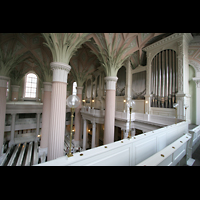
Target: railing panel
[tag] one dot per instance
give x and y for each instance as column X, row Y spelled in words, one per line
column 126, row 152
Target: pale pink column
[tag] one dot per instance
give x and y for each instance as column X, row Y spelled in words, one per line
column 109, row 121
column 46, row 111
column 58, row 110
column 15, row 92
column 3, row 88
column 78, row 118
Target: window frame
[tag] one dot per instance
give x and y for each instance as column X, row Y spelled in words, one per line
column 25, row 82
column 74, row 88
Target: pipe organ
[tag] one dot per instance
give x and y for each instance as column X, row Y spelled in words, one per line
column 164, row 83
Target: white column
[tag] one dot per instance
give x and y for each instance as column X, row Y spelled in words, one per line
column 12, row 130
column 58, row 110
column 84, row 133
column 128, row 79
column 109, row 121
column 133, row 132
column 197, row 81
column 125, row 133
column 37, row 125
column 183, row 75
column 93, row 134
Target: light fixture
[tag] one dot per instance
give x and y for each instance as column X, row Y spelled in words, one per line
column 72, row 101
column 175, row 105
column 130, row 103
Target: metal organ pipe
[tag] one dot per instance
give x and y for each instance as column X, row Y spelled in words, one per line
column 156, row 91
column 164, row 79
column 170, row 80
column 159, row 83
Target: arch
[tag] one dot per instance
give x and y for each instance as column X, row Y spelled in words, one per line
column 30, row 85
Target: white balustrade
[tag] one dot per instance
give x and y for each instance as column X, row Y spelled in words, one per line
column 194, row 143
column 170, row 155
column 127, row 151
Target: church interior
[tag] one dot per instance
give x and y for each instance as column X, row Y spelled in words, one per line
column 136, row 99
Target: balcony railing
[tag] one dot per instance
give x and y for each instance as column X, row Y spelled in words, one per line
column 128, row 152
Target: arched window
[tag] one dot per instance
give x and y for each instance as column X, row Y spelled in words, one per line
column 30, row 86
column 74, row 90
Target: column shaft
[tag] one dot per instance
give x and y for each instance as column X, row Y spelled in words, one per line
column 84, row 133
column 3, row 87
column 78, row 118
column 12, row 130
column 57, row 121
column 109, row 121
column 93, row 134
column 58, row 110
column 46, row 111
column 15, row 92
column 37, row 125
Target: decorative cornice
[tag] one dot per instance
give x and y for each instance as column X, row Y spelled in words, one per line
column 194, row 64
column 47, row 86
column 167, row 39
column 197, row 81
column 60, row 71
column 79, row 90
column 59, row 65
column 15, row 88
column 110, row 82
column 3, row 81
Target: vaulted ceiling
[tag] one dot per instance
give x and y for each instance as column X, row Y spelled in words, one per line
column 31, row 44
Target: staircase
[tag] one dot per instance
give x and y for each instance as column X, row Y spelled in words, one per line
column 23, row 154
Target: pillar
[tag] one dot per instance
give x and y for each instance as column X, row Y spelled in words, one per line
column 133, row 132
column 128, row 79
column 125, row 132
column 197, row 81
column 78, row 118
column 93, row 134
column 37, row 125
column 58, row 110
column 109, row 122
column 42, row 98
column 46, row 111
column 15, row 92
column 12, row 135
column 3, row 88
column 84, row 133
column 183, row 75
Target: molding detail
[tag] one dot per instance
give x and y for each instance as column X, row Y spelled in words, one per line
column 197, row 81
column 194, row 64
column 79, row 90
column 60, row 71
column 3, row 81
column 15, row 88
column 47, row 86
column 110, row 82
column 167, row 39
